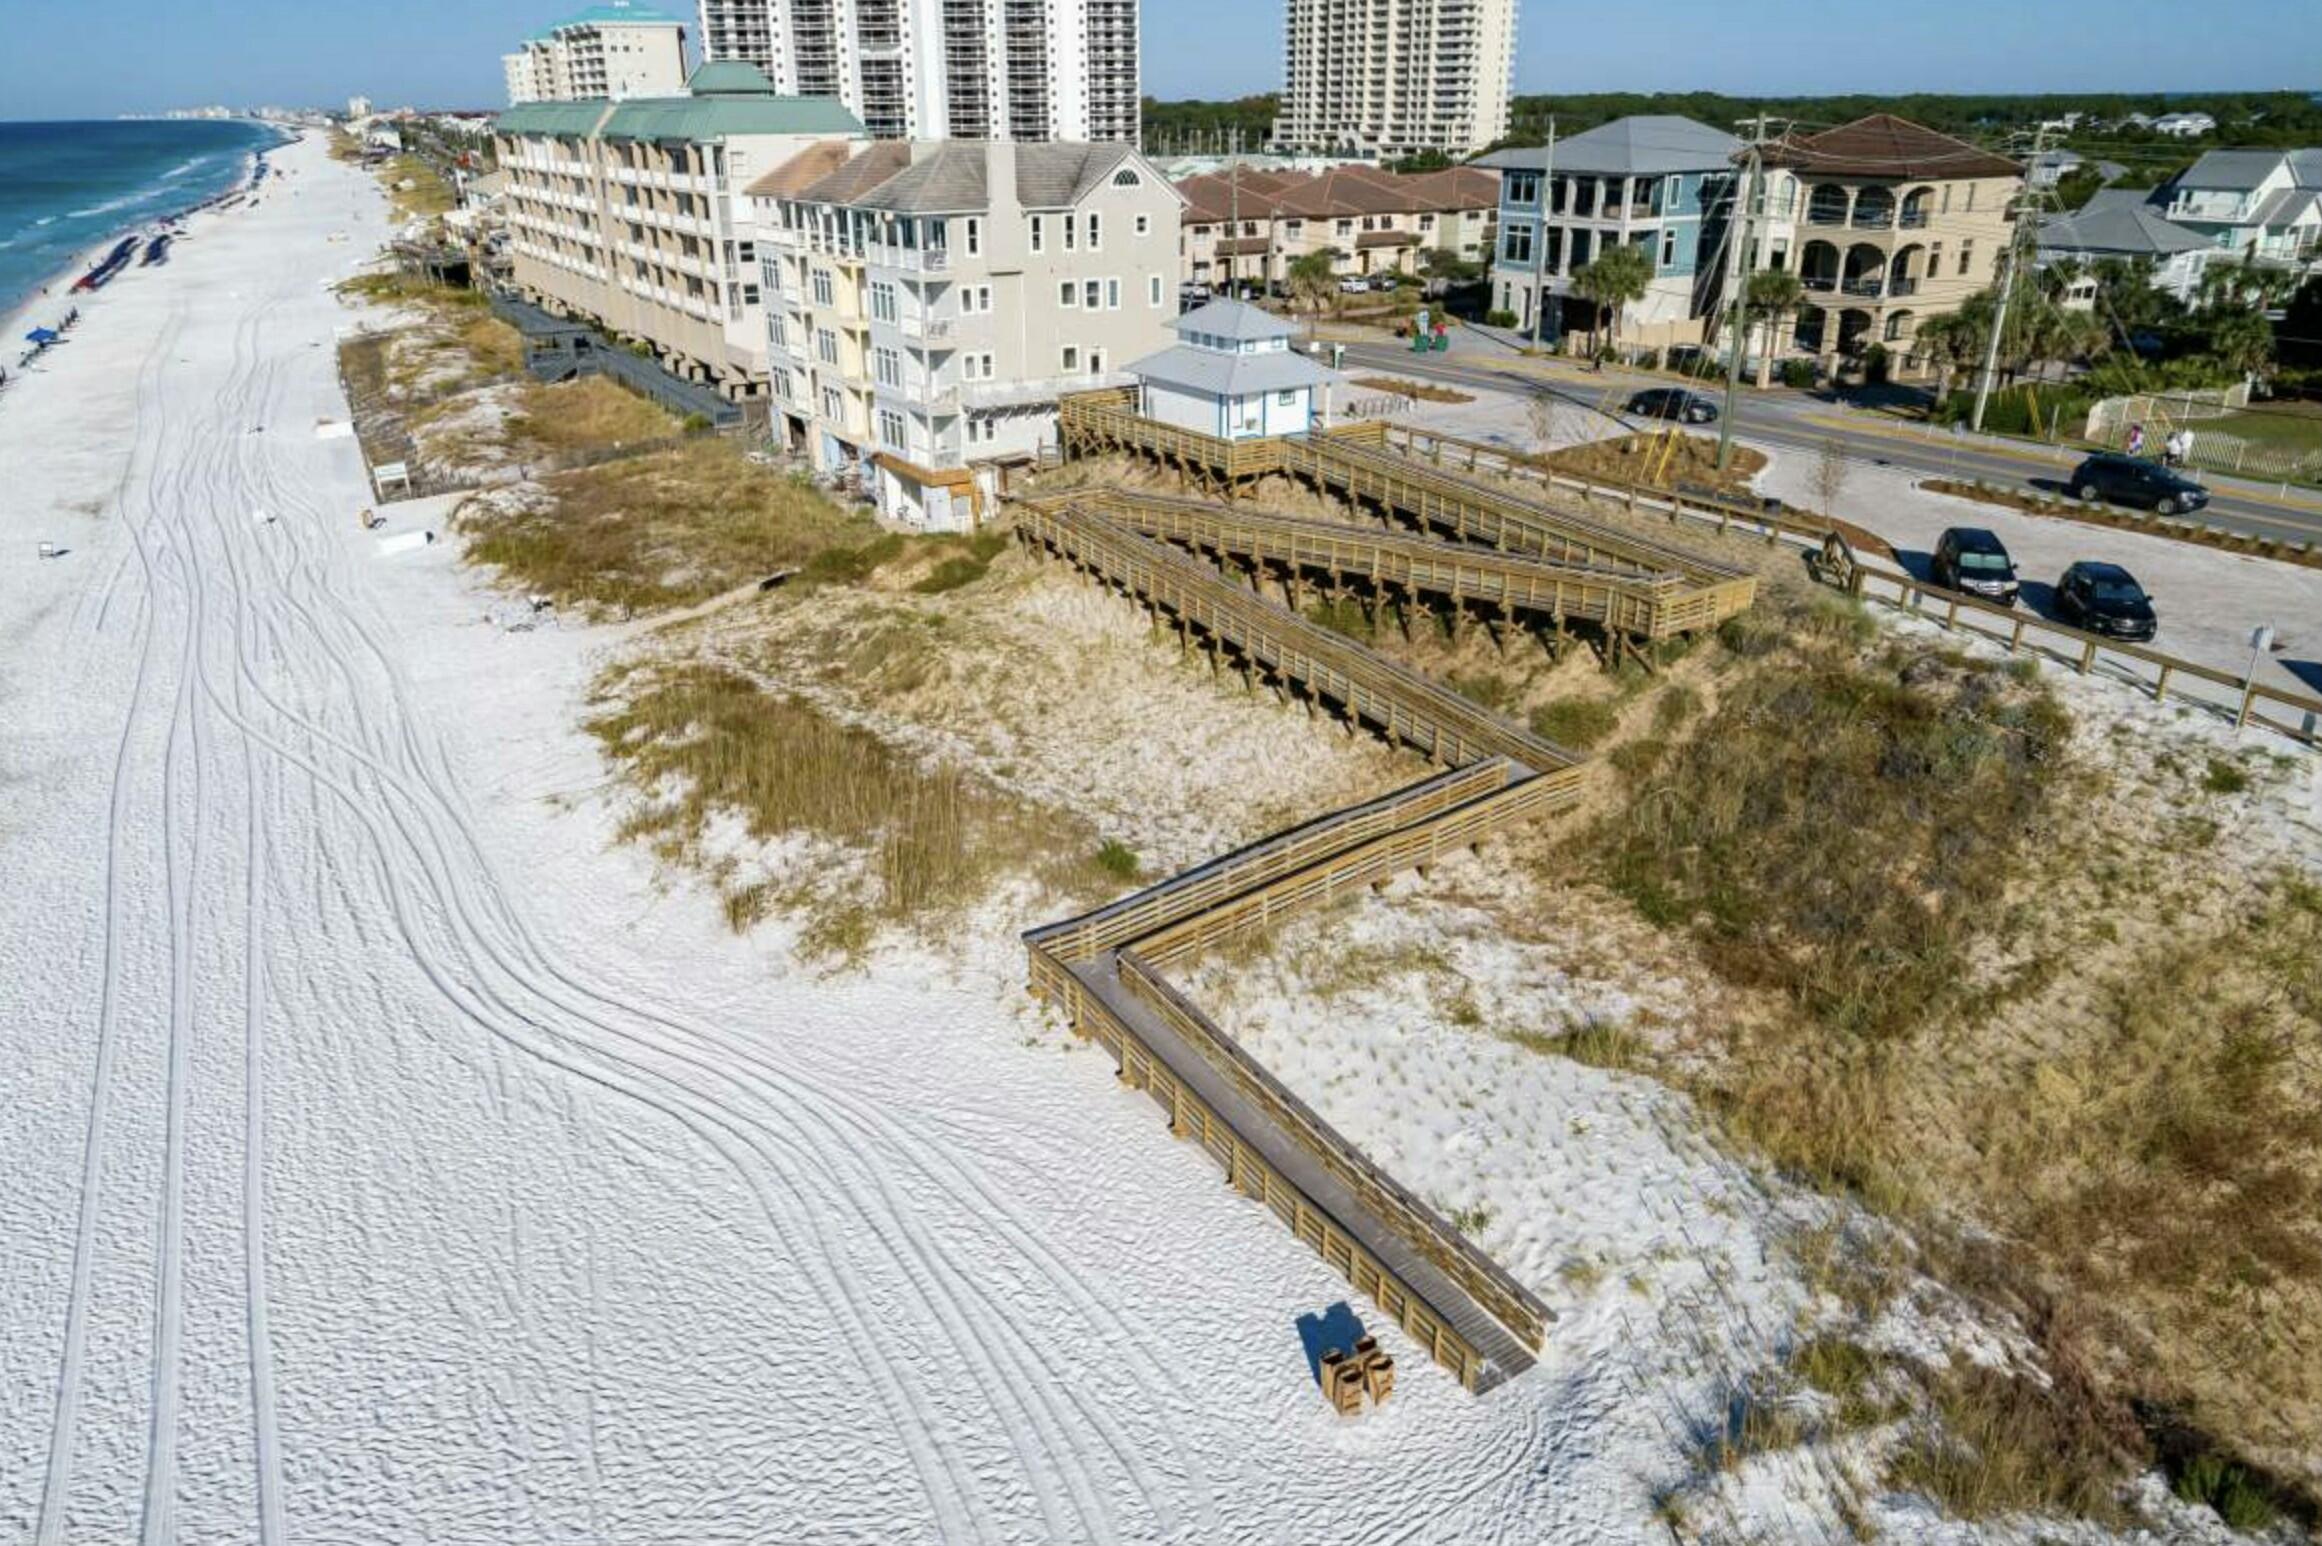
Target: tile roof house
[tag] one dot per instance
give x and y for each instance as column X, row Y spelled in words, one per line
column 1252, row 225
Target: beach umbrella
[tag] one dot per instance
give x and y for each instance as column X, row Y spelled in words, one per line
column 41, row 335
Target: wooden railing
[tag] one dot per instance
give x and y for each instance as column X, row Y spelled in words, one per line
column 1643, row 605
column 2243, row 699
column 1421, row 1227
column 1089, row 424
column 1411, row 709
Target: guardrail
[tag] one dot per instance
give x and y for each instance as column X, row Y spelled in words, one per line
column 2241, row 699
column 1092, row 423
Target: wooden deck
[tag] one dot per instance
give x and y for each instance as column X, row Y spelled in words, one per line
column 1474, row 1318
column 1409, row 709
column 1470, row 576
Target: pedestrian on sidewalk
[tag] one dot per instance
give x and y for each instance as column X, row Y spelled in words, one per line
column 2136, row 440
column 2177, row 448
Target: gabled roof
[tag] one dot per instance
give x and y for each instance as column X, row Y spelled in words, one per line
column 552, row 120
column 1233, row 319
column 1232, row 375
column 803, row 170
column 728, row 77
column 1643, row 145
column 1345, row 190
column 950, row 176
column 1883, row 145
column 2127, row 226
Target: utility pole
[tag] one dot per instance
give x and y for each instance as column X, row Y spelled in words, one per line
column 1540, row 236
column 2007, row 287
column 1737, row 297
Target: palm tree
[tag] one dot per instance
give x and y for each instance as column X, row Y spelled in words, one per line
column 1313, row 276
column 1772, row 295
column 2240, row 341
column 1617, row 278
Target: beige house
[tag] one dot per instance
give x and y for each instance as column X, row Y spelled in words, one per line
column 1894, row 223
column 1252, row 225
column 630, row 215
column 928, row 302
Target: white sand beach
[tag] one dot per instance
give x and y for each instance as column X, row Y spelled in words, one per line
column 389, row 1156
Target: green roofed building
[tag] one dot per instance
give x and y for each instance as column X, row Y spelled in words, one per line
column 630, row 214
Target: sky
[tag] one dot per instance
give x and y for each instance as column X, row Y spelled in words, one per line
column 72, row 58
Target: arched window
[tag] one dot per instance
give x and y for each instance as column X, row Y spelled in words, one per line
column 1127, row 177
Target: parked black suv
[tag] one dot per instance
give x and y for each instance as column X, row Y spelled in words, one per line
column 1673, row 403
column 2129, row 480
column 1971, row 559
column 2106, row 599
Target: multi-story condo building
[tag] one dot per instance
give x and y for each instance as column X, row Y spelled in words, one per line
column 1662, row 184
column 947, row 69
column 612, row 51
column 1395, row 77
column 2261, row 204
column 1896, row 224
column 631, row 214
column 1250, row 226
column 927, row 303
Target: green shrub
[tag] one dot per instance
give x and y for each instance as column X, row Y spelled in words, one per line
column 1576, row 722
column 1500, row 318
column 852, row 565
column 1496, row 693
column 951, row 574
column 1797, row 373
column 2236, row 1496
column 1117, row 859
column 2225, row 777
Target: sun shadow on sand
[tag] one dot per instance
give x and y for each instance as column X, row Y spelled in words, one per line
column 1337, row 1327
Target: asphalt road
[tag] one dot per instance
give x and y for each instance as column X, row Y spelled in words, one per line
column 1795, row 421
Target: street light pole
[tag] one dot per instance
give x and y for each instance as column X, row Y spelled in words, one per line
column 1540, row 236
column 1737, row 301
column 2007, row 286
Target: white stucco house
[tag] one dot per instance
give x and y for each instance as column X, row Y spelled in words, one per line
column 1232, row 373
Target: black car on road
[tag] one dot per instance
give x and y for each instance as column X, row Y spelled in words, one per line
column 2106, row 599
column 2133, row 481
column 1970, row 559
column 1673, row 403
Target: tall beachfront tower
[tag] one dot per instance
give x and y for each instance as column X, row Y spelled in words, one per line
column 614, row 51
column 946, row 69
column 1394, row 77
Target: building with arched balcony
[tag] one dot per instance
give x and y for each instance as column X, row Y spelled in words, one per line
column 1895, row 223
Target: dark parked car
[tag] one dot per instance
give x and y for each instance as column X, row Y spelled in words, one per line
column 1673, row 403
column 1971, row 559
column 2106, row 599
column 2130, row 480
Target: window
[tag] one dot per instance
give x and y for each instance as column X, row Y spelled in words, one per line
column 1668, row 246
column 749, row 295
column 1071, row 230
column 1934, row 259
column 974, row 300
column 1112, row 295
column 976, row 367
column 749, row 252
column 1092, row 293
column 891, row 429
column 1346, row 228
column 1966, row 257
column 778, row 330
column 882, row 301
column 1071, row 358
column 975, row 236
column 1152, row 289
column 1293, row 228
column 1039, row 233
column 834, row 407
column 1126, row 177
column 1068, row 294
column 1096, row 362
column 1095, row 244
column 1969, row 207
column 822, row 287
column 1286, row 398
column 1144, row 224
column 1426, row 222
column 887, row 365
column 1523, row 188
column 826, row 345
column 1672, row 192
column 782, row 387
column 1516, row 244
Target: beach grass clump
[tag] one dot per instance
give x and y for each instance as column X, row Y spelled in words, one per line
column 585, row 414
column 1576, row 722
column 662, row 530
column 698, row 740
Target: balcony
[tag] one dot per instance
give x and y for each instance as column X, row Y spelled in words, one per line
column 1819, row 282
column 921, row 328
column 1902, row 287
column 1869, row 285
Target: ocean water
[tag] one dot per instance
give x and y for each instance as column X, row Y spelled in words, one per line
column 64, row 187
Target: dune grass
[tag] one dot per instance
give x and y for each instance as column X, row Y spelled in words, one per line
column 664, row 530
column 588, row 413
column 698, row 739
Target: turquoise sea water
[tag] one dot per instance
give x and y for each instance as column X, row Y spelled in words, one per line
column 64, row 187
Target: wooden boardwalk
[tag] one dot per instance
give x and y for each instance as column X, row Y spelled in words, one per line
column 1104, row 968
